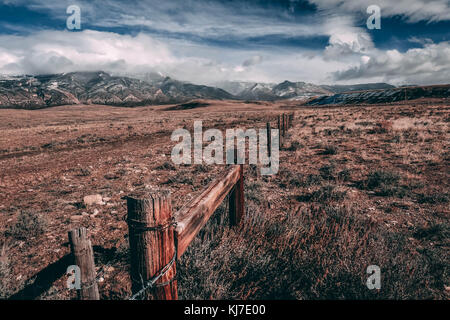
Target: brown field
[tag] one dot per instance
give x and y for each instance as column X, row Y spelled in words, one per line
column 357, row 186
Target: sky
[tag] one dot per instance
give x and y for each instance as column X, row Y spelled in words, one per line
column 209, row 41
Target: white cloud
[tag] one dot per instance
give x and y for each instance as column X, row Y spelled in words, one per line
column 346, row 41
column 252, row 61
column 430, row 64
column 412, row 10
column 64, row 51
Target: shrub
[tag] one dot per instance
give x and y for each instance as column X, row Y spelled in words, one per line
column 201, row 168
column 29, row 224
column 380, row 177
column 324, row 194
column 5, row 274
column 329, row 150
column 84, row 172
column 166, row 166
column 315, row 253
column 382, row 127
column 253, row 191
column 301, row 180
column 385, row 183
column 432, row 198
column 295, row 145
column 344, row 175
column 180, row 177
column 438, row 231
column 327, row 172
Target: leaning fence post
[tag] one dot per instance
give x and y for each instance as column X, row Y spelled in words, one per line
column 81, row 248
column 269, row 139
column 280, row 129
column 236, row 198
column 279, row 124
column 152, row 245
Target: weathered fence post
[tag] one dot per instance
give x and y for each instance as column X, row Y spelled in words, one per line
column 284, row 125
column 83, row 254
column 279, row 124
column 287, row 122
column 269, row 139
column 280, row 129
column 236, row 198
column 152, row 244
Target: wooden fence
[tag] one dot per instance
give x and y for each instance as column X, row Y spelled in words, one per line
column 158, row 237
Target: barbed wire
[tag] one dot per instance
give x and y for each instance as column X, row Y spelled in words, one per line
column 151, row 283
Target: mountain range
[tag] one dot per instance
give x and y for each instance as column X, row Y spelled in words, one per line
column 34, row 92
column 98, row 87
column 384, row 95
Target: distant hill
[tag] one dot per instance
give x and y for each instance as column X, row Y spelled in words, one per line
column 291, row 90
column 357, row 87
column 34, row 92
column 384, row 95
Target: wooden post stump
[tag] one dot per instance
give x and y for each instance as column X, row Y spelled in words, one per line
column 81, row 248
column 279, row 124
column 152, row 244
column 236, row 200
column 269, row 139
column 280, row 130
column 236, row 197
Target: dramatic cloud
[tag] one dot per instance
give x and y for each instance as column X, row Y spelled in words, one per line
column 206, row 41
column 412, row 10
column 345, row 40
column 252, row 61
column 430, row 64
column 63, row 51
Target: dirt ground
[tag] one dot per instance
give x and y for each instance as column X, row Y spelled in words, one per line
column 50, row 159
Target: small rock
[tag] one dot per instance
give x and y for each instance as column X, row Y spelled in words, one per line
column 93, row 199
column 76, row 218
